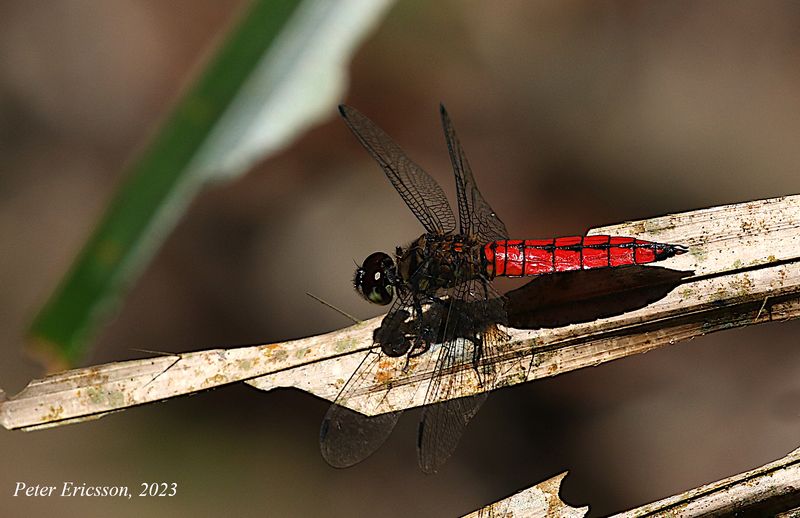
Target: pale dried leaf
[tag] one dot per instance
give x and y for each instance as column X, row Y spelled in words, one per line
column 766, row 491
column 745, row 258
column 539, row 501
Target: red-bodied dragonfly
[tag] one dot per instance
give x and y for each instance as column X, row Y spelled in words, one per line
column 444, row 305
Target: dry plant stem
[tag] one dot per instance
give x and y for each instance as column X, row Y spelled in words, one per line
column 541, row 500
column 92, row 392
column 766, row 491
column 746, row 259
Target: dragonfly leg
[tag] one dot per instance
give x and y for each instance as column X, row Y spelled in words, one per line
column 478, row 352
column 418, row 350
column 422, row 341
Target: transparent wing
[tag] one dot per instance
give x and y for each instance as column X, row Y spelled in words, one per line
column 441, row 427
column 470, row 349
column 420, row 192
column 348, row 437
column 476, row 218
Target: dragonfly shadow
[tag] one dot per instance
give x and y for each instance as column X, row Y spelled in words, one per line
column 585, row 295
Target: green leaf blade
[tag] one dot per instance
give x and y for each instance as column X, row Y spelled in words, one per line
column 160, row 183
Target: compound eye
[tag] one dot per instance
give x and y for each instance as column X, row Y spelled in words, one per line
column 372, row 281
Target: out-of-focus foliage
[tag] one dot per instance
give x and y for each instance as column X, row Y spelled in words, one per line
column 279, row 70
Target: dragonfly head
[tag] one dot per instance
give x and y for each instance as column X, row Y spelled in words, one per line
column 374, row 279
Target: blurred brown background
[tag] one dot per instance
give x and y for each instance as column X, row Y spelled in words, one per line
column 573, row 113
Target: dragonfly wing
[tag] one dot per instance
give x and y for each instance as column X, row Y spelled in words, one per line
column 352, row 437
column 441, row 427
column 476, row 218
column 420, row 192
column 347, row 437
column 470, row 348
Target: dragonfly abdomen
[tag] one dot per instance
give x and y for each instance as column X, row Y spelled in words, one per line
column 521, row 258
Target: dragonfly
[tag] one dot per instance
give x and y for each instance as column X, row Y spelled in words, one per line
column 444, row 310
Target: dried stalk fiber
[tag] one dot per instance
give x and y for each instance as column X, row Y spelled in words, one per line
column 766, row 491
column 746, row 260
column 541, row 500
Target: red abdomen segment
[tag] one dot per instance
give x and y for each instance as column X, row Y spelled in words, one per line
column 518, row 258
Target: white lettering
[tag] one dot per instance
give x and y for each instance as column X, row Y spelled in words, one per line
column 72, row 489
column 37, row 490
